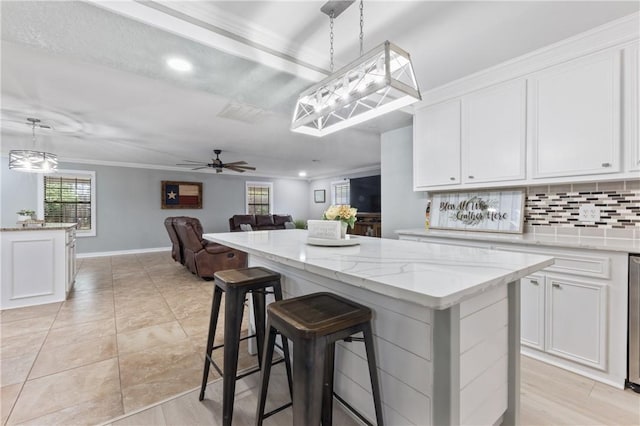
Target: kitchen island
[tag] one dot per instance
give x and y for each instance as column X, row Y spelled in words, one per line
column 446, row 320
column 38, row 264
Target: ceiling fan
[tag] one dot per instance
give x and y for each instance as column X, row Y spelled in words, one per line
column 236, row 166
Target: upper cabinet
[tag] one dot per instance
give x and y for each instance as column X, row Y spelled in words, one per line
column 493, row 133
column 575, row 117
column 565, row 113
column 436, row 157
column 631, row 74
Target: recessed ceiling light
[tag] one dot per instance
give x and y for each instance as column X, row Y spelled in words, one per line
column 302, row 174
column 179, row 64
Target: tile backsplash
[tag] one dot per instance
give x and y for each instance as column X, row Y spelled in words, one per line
column 555, row 208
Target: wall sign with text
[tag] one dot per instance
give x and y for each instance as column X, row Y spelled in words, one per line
column 495, row 211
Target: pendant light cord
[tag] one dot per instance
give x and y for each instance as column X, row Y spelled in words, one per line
column 361, row 27
column 331, row 17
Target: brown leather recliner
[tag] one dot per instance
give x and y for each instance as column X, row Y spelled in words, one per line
column 176, row 247
column 202, row 257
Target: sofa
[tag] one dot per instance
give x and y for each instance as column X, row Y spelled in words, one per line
column 259, row 222
column 203, row 258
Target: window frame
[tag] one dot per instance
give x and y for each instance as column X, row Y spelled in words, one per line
column 72, row 174
column 333, row 190
column 257, row 184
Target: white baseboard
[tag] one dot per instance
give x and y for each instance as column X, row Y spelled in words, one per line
column 121, row 252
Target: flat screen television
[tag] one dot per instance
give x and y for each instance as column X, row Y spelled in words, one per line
column 365, row 194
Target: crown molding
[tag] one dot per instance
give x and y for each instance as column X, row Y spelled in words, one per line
column 614, row 34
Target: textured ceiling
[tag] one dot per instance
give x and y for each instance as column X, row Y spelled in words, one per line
column 99, row 77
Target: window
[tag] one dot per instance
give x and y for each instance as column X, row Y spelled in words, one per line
column 340, row 192
column 259, row 197
column 68, row 196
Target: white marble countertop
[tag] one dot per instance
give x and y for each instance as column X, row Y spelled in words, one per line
column 628, row 245
column 432, row 275
column 44, row 227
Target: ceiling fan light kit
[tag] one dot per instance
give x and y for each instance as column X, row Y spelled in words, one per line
column 378, row 82
column 25, row 160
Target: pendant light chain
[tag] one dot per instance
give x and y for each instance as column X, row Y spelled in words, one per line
column 361, row 27
column 331, row 16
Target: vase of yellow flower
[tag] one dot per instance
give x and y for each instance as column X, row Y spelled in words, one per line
column 344, row 213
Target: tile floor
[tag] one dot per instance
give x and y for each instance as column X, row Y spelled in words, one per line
column 132, row 333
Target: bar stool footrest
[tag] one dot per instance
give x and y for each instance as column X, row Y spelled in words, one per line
column 353, row 410
column 277, row 410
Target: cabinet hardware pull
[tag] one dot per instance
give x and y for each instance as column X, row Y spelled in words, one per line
column 606, row 164
column 556, row 285
column 534, row 282
column 452, row 178
column 470, row 177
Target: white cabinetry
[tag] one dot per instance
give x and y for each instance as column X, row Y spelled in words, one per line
column 573, row 313
column 576, row 313
column 575, row 117
column 436, row 157
column 493, row 133
column 38, row 265
column 532, row 311
column 632, row 85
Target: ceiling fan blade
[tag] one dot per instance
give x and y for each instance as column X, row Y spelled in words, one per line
column 235, row 163
column 199, row 168
column 242, row 167
column 236, row 169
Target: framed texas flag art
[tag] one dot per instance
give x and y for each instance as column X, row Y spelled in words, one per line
column 181, row 195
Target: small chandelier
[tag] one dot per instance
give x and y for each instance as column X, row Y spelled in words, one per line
column 24, row 160
column 378, row 82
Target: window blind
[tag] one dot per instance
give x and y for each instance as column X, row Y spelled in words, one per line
column 68, row 200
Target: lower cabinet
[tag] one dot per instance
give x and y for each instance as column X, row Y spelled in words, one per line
column 565, row 318
column 573, row 314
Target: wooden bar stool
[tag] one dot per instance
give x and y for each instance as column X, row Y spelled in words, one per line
column 314, row 323
column 236, row 283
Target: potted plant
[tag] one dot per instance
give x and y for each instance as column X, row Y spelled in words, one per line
column 343, row 213
column 26, row 214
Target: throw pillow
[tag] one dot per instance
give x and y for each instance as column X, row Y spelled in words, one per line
column 289, row 225
column 246, row 227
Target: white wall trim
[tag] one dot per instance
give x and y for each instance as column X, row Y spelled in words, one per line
column 614, row 34
column 121, row 252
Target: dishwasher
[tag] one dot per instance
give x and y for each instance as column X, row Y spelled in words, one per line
column 633, row 342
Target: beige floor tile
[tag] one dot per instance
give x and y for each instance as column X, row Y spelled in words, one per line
column 69, row 317
column 150, row 416
column 48, row 310
column 155, row 374
column 52, row 359
column 170, row 333
column 98, row 294
column 21, row 344
column 49, row 394
column 93, row 285
column 143, row 318
column 141, row 291
column 90, row 412
column 135, row 304
column 16, row 369
column 80, row 332
column 8, row 396
column 25, row 326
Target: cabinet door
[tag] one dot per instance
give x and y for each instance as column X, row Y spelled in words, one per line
column 436, row 145
column 576, row 321
column 532, row 311
column 575, row 117
column 631, row 110
column 493, row 133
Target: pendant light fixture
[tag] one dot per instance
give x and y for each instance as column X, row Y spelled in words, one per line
column 378, row 82
column 31, row 160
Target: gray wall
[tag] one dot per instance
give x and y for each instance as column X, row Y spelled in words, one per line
column 316, row 209
column 401, row 207
column 128, row 202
